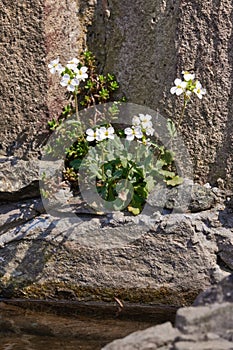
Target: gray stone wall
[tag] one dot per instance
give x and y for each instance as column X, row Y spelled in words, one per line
column 146, row 43
column 33, row 33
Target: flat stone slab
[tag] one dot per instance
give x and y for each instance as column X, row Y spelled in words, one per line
column 164, row 259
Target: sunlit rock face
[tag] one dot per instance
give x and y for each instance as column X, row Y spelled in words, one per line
column 33, row 35
column 145, row 43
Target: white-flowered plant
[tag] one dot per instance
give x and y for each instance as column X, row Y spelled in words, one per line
column 107, row 132
column 188, row 76
column 69, row 82
column 81, row 74
column 111, row 155
column 180, row 87
column 71, row 74
column 144, row 122
column 73, row 64
column 100, row 134
column 133, row 132
column 186, row 88
column 55, row 67
column 198, row 90
column 93, row 135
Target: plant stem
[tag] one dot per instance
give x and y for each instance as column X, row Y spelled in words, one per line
column 76, row 106
column 182, row 112
column 103, row 161
column 77, row 115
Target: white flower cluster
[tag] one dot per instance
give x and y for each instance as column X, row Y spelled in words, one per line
column 188, row 85
column 141, row 127
column 100, row 134
column 141, row 124
column 71, row 74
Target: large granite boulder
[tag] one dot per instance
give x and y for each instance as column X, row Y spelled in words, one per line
column 76, row 253
column 68, row 252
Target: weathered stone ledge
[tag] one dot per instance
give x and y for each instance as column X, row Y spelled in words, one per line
column 163, row 259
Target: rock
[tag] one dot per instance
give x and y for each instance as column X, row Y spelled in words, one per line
column 221, row 293
column 15, row 214
column 162, row 48
column 166, row 33
column 201, row 199
column 134, row 258
column 130, row 259
column 50, row 29
column 214, row 318
column 199, row 327
column 229, row 203
column 19, row 179
column 219, row 344
column 187, row 197
column 152, row 338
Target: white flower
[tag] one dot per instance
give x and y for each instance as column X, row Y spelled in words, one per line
column 72, row 64
column 133, row 132
column 106, row 133
column 69, row 82
column 55, row 66
column 146, row 124
column 136, row 120
column 199, row 91
column 179, row 87
column 81, row 73
column 188, row 76
column 145, row 118
column 150, row 131
column 93, row 135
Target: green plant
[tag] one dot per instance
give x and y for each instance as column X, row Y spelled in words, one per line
column 186, row 88
column 122, row 164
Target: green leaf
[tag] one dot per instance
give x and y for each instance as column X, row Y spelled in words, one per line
column 53, row 124
column 167, row 157
column 167, row 173
column 171, row 128
column 133, row 210
column 75, row 164
column 176, row 180
column 110, row 77
column 114, row 85
column 150, row 183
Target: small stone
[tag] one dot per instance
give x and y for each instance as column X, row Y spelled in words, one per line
column 183, row 198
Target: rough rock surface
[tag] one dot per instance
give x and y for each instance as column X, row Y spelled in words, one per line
column 208, row 327
column 18, row 179
column 32, row 34
column 75, row 253
column 185, row 197
column 145, row 43
column 163, row 258
column 148, row 43
column 221, row 293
